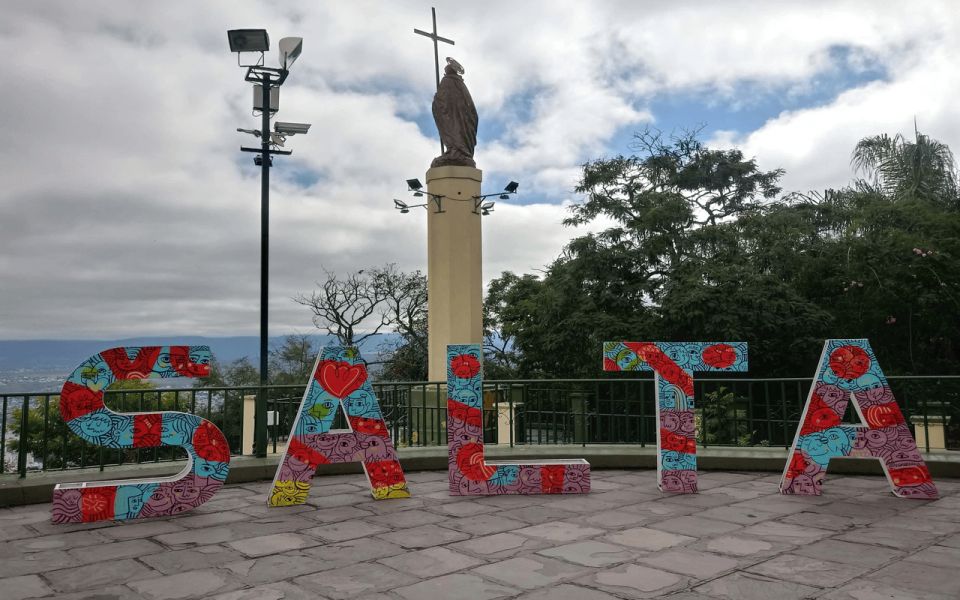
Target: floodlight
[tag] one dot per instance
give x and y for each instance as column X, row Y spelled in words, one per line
column 291, row 128
column 486, row 206
column 248, row 40
column 290, row 49
column 511, row 187
column 399, row 204
column 504, row 196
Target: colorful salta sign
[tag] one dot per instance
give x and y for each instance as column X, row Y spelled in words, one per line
column 339, row 379
column 848, row 369
column 673, row 365
column 470, row 473
column 83, row 410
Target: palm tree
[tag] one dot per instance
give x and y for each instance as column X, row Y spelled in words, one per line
column 899, row 168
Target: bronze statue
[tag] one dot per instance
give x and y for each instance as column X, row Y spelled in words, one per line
column 456, row 118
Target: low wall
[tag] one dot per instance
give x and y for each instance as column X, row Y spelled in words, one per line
column 38, row 487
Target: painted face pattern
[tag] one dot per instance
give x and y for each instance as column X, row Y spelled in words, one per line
column 470, row 473
column 849, row 369
column 339, row 378
column 673, row 364
column 83, row 410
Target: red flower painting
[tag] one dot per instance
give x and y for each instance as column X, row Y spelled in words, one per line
column 849, row 362
column 465, row 366
column 210, row 444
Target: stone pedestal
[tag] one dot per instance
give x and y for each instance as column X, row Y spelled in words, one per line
column 935, row 429
column 454, row 261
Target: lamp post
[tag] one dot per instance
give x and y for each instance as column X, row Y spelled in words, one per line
column 257, row 41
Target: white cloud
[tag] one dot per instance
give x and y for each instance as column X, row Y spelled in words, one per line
column 126, row 208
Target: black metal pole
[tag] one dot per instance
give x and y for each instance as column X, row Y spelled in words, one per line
column 260, row 413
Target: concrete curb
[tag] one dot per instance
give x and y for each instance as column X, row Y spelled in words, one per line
column 38, row 487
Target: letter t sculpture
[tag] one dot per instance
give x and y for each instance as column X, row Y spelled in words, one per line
column 673, row 364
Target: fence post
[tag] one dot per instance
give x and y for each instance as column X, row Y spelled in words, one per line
column 24, row 437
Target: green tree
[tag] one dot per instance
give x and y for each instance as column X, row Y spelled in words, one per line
column 292, row 362
column 52, row 445
column 921, row 169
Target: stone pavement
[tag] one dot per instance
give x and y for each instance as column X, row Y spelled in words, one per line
column 737, row 539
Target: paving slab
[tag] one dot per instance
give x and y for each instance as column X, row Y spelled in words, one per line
column 919, row 577
column 460, row 586
column 25, row 586
column 808, row 571
column 346, row 530
column 500, row 545
column 91, row 577
column 860, row 589
column 861, row 555
column 559, row 531
column 424, row 536
column 567, row 591
column 740, row 546
column 646, row 538
column 529, row 572
column 893, row 537
column 282, row 590
column 483, row 524
column 591, row 553
column 700, row 565
column 169, row 562
column 695, row 526
column 272, row 544
column 750, row 586
column 430, row 562
column 347, row 582
column 634, row 581
column 937, row 556
column 191, row 584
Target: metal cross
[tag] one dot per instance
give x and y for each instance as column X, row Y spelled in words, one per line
column 436, row 53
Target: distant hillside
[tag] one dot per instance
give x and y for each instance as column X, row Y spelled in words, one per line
column 51, row 355
column 27, row 362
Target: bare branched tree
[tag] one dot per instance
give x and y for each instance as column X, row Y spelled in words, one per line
column 348, row 309
column 404, row 306
column 340, row 306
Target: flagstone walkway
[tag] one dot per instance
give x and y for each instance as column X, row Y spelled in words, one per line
column 737, row 539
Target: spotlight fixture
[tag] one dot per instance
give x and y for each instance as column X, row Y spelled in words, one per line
column 485, row 208
column 248, row 40
column 414, row 185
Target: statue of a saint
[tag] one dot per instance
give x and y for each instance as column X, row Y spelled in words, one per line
column 456, row 118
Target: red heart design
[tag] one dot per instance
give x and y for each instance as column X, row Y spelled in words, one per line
column 340, row 378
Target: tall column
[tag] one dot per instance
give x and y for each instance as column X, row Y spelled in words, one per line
column 454, row 277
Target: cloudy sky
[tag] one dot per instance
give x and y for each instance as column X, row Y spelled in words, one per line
column 126, row 208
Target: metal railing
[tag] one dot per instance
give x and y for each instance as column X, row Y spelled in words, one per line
column 730, row 412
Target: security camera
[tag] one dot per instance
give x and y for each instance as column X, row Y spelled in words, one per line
column 291, row 128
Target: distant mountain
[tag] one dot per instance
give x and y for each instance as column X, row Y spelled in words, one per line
column 53, row 355
column 25, row 362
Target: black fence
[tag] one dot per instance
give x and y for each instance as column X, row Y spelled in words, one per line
column 730, row 412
